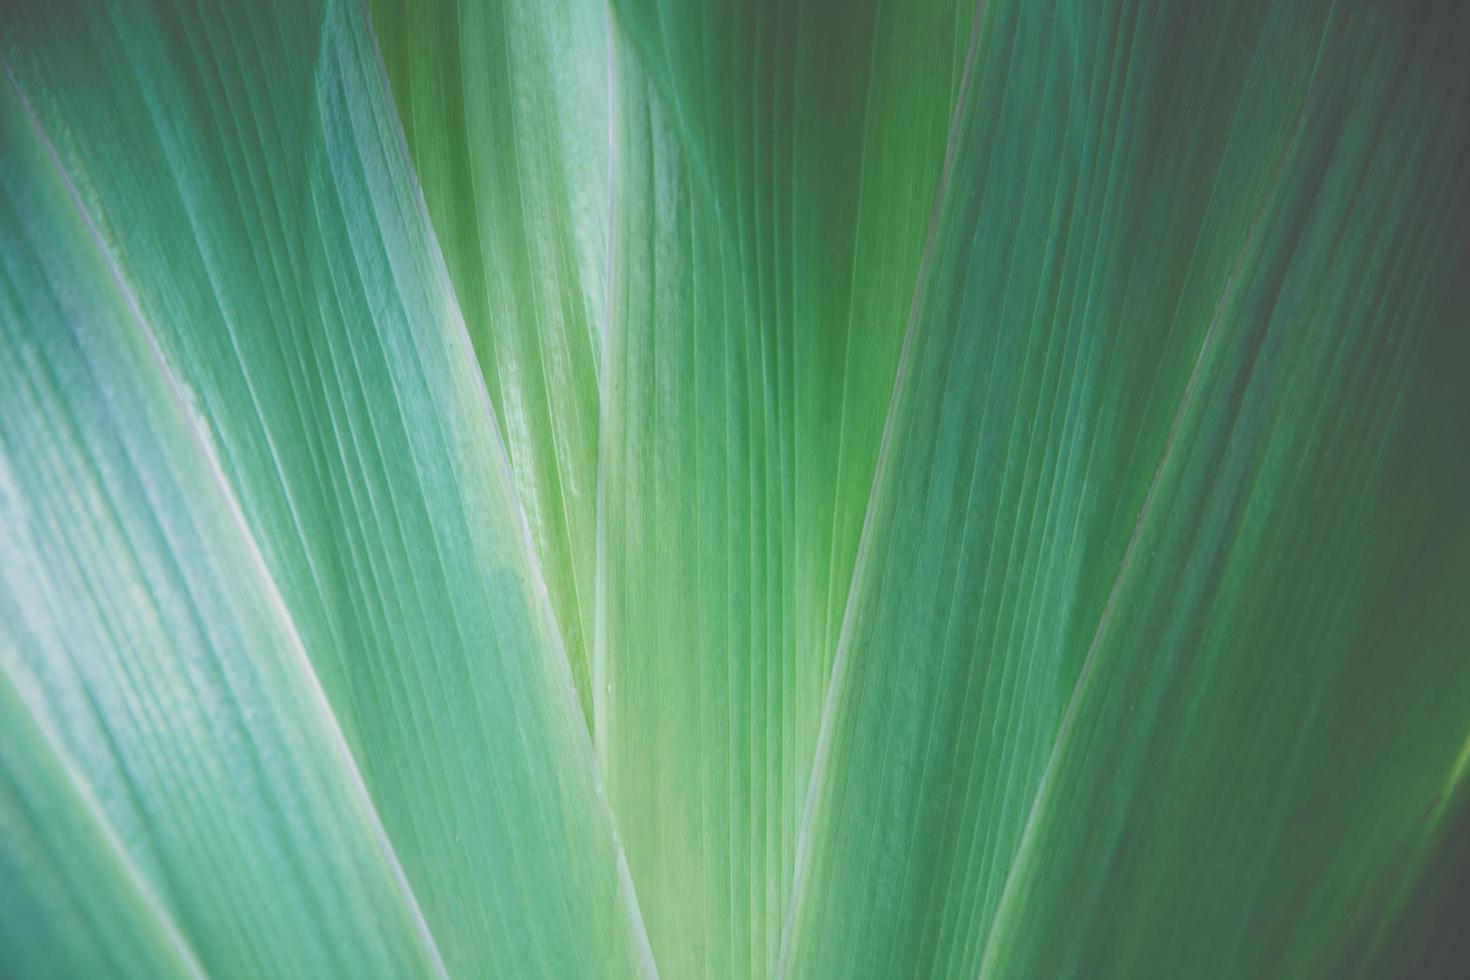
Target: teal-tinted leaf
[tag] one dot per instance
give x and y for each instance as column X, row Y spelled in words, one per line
column 1154, row 663
column 248, row 180
column 176, row 798
column 74, row 904
column 1029, row 531
column 774, row 169
column 505, row 106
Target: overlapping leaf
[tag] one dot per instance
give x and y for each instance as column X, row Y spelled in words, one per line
column 176, row 799
column 505, row 107
column 248, row 181
column 1156, row 620
column 774, row 172
column 993, row 476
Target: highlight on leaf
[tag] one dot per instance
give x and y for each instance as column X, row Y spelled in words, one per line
column 734, row 488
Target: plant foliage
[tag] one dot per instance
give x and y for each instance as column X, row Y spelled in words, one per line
column 733, row 487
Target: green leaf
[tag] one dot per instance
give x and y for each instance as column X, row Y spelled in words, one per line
column 248, row 181
column 773, row 176
column 176, row 797
column 1156, row 558
column 956, row 488
column 505, row 108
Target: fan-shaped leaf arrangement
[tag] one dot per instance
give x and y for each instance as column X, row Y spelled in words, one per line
column 733, row 488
